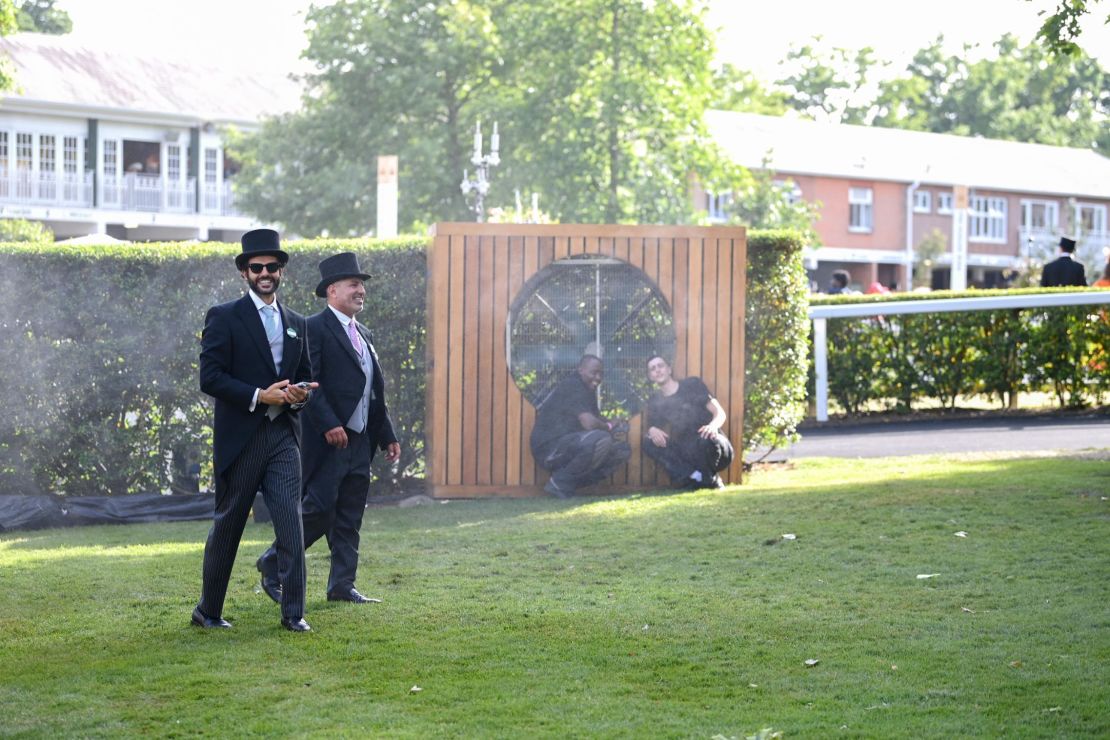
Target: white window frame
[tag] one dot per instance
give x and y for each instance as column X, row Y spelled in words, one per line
column 792, row 190
column 861, row 218
column 922, row 201
column 986, row 219
column 716, row 205
column 1098, row 218
column 3, row 153
column 944, row 202
column 1051, row 215
column 24, row 151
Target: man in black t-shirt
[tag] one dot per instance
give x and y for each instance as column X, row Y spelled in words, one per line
column 571, row 438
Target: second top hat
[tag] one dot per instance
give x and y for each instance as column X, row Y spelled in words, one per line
column 339, row 267
column 260, row 243
column 1067, row 244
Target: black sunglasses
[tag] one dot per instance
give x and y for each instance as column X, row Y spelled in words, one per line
column 270, row 267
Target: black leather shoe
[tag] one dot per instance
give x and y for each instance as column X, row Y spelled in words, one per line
column 200, row 619
column 352, row 596
column 270, row 585
column 295, row 625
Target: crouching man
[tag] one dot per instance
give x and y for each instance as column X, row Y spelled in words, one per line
column 571, row 438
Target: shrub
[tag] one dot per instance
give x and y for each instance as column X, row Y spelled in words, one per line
column 776, row 339
column 896, row 360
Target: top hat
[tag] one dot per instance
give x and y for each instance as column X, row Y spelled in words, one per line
column 1066, row 244
column 339, row 267
column 259, row 243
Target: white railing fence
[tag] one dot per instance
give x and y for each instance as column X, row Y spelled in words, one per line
column 821, row 314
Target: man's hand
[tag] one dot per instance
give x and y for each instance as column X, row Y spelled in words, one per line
column 295, row 393
column 275, row 394
column 392, row 452
column 708, row 431
column 336, row 437
column 657, row 436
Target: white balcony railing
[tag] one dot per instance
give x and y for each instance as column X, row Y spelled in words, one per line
column 29, row 187
column 132, row 192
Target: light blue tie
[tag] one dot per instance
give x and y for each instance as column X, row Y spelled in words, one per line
column 273, row 333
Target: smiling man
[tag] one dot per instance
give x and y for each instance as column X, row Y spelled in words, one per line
column 346, row 423
column 254, row 361
column 571, row 438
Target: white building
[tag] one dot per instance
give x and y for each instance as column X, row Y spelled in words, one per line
column 98, row 141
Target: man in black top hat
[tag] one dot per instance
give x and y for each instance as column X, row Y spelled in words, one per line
column 1064, row 270
column 347, row 422
column 254, row 361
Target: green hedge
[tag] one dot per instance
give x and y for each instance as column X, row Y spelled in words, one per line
column 101, row 346
column 897, row 361
column 776, row 335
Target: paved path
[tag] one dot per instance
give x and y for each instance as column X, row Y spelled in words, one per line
column 941, row 436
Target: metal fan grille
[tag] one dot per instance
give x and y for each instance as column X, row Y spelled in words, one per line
column 589, row 305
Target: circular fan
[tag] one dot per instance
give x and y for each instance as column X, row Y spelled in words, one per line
column 589, row 305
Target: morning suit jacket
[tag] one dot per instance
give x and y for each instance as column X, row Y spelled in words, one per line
column 342, row 380
column 235, row 360
column 1063, row 271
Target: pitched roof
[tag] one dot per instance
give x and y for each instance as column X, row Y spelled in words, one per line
column 872, row 153
column 60, row 71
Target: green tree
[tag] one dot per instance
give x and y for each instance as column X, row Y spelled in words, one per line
column 1022, row 94
column 405, row 77
column 608, row 116
column 7, row 25
column 829, row 84
column 604, row 122
column 760, row 200
column 1060, row 30
column 40, row 16
column 739, row 90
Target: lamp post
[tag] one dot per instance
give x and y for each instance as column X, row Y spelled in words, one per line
column 479, row 184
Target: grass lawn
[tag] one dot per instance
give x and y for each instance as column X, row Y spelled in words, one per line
column 649, row 616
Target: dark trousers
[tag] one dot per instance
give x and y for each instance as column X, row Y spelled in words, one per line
column 333, row 503
column 270, row 462
column 683, row 455
column 582, row 458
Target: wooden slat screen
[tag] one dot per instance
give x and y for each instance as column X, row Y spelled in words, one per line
column 478, row 422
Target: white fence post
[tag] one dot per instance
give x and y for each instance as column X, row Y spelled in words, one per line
column 821, row 368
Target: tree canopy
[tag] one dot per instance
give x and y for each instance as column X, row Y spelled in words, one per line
column 604, row 122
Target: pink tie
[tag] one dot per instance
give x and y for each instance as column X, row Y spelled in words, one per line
column 353, row 334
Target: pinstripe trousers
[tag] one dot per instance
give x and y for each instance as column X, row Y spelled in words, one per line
column 269, row 462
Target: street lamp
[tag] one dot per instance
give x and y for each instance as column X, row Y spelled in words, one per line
column 479, row 185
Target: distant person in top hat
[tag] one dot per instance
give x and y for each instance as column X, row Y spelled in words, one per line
column 254, row 361
column 1064, row 270
column 346, row 423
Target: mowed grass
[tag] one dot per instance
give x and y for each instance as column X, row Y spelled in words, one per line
column 645, row 616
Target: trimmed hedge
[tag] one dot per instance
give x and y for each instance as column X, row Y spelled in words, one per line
column 101, row 347
column 901, row 360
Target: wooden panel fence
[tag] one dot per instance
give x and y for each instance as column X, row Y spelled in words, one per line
column 478, row 421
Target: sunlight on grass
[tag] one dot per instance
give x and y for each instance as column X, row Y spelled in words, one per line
column 684, row 615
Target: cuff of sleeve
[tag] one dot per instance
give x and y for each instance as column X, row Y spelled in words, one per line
column 254, row 399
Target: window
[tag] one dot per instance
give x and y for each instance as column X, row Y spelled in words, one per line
column 793, row 192
column 210, row 156
column 922, row 201
column 47, row 161
column 111, row 158
column 987, row 219
column 24, row 151
column 1092, row 218
column 944, row 202
column 173, row 162
column 859, row 209
column 717, row 206
column 1039, row 215
column 69, row 155
column 3, row 152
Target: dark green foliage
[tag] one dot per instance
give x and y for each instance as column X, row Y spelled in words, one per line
column 775, row 339
column 101, row 347
column 907, row 358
